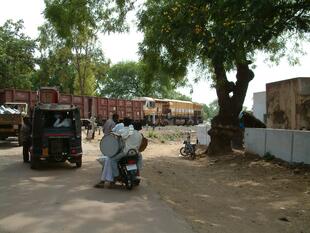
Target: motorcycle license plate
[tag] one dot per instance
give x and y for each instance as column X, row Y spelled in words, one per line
column 131, row 167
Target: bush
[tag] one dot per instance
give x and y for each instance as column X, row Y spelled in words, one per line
column 268, row 156
column 152, row 134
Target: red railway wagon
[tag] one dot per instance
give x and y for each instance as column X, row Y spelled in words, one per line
column 19, row 96
column 101, row 108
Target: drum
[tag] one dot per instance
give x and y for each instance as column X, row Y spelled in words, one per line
column 111, row 144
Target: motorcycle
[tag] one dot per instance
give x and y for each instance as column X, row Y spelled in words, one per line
column 129, row 173
column 189, row 150
column 128, row 170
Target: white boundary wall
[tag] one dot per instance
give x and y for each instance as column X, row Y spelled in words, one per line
column 259, row 105
column 288, row 145
column 202, row 134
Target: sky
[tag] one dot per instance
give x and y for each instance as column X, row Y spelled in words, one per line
column 124, row 47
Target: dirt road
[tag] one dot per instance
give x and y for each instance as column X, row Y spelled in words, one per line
column 61, row 198
column 232, row 193
column 228, row 194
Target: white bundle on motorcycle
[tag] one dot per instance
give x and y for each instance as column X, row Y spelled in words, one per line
column 133, row 142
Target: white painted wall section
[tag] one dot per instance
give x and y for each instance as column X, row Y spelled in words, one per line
column 202, row 134
column 279, row 143
column 259, row 105
column 301, row 147
column 289, row 145
column 255, row 140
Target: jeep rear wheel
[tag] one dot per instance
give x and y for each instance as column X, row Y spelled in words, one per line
column 78, row 163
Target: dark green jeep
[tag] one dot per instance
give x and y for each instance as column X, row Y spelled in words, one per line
column 56, row 134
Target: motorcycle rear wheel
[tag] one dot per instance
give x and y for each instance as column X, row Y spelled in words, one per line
column 129, row 181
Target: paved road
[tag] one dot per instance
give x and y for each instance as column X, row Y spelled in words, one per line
column 61, row 198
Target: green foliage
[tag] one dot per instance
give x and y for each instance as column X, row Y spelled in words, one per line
column 268, row 156
column 74, row 69
column 173, row 94
column 55, row 67
column 81, row 19
column 152, row 134
column 210, row 111
column 123, row 80
column 220, row 35
column 172, row 136
column 164, row 136
column 229, row 31
column 17, row 60
column 134, row 79
column 73, row 26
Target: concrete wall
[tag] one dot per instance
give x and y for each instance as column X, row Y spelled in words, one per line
column 288, row 145
column 288, row 104
column 255, row 140
column 259, row 105
column 202, row 134
column 279, row 143
column 301, row 147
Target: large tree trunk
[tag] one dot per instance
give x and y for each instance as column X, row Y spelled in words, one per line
column 231, row 96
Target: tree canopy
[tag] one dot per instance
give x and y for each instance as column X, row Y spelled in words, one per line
column 220, row 35
column 73, row 27
column 82, row 19
column 210, row 110
column 17, row 59
column 226, row 31
column 123, row 80
column 134, row 79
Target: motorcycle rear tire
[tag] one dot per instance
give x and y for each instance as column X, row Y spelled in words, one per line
column 129, row 181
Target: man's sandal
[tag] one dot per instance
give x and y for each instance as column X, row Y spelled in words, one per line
column 99, row 185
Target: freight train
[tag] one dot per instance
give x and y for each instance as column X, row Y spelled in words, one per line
column 143, row 109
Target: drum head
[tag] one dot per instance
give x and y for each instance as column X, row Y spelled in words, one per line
column 110, row 145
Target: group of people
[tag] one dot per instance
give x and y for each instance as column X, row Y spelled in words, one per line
column 132, row 138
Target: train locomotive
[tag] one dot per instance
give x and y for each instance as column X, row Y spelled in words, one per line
column 171, row 112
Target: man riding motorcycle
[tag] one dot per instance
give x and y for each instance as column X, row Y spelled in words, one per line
column 132, row 139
